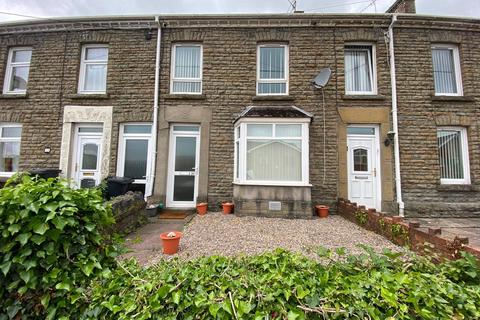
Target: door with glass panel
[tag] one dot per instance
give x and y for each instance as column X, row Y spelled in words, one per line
column 135, row 153
column 363, row 166
column 88, row 149
column 182, row 179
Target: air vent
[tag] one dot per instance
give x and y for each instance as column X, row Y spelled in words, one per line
column 274, row 205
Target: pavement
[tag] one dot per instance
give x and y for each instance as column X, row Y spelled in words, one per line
column 451, row 227
column 145, row 242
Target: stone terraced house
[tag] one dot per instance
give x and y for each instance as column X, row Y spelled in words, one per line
column 223, row 107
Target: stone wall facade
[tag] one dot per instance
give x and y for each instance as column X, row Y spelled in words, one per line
column 229, row 86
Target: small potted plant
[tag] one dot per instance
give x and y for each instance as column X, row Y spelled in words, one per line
column 202, row 208
column 170, row 241
column 227, row 207
column 152, row 210
column 322, row 210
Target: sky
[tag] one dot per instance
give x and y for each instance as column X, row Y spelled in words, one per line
column 68, row 8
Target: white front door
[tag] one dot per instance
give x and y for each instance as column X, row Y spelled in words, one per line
column 87, row 155
column 364, row 166
column 182, row 182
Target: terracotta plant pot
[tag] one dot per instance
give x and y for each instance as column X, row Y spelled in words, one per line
column 322, row 211
column 227, row 207
column 170, row 244
column 202, row 208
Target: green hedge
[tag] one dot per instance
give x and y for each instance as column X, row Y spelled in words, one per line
column 51, row 247
column 283, row 285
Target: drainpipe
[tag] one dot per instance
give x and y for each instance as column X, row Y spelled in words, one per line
column 151, row 174
column 396, row 147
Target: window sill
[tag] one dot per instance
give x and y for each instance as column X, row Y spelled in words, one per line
column 273, row 98
column 453, row 98
column 457, row 188
column 13, row 96
column 95, row 96
column 377, row 97
column 270, row 184
column 173, row 96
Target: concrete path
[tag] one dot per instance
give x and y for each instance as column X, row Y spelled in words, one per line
column 451, row 227
column 145, row 242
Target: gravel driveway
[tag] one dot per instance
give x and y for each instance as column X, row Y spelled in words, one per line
column 229, row 235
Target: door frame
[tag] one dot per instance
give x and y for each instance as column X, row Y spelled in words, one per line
column 75, row 151
column 171, row 165
column 378, row 164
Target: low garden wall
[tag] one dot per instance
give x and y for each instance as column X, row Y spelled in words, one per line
column 129, row 212
column 405, row 234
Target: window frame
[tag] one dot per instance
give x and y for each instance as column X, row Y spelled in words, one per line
column 19, row 140
column 373, row 68
column 465, row 156
column 172, row 69
column 279, row 80
column 83, row 68
column 9, row 68
column 456, row 65
column 122, row 142
column 242, row 148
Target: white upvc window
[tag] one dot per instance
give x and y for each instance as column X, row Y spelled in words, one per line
column 272, row 152
column 360, row 69
column 18, row 68
column 134, row 151
column 446, row 70
column 93, row 69
column 272, row 69
column 453, row 155
column 186, row 69
column 10, row 136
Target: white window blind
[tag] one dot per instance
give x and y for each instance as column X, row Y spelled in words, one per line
column 93, row 69
column 272, row 69
column 453, row 155
column 17, row 71
column 187, row 69
column 359, row 71
column 446, row 71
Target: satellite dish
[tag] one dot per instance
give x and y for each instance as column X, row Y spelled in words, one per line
column 322, row 78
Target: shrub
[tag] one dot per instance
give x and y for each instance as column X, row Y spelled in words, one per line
column 50, row 246
column 284, row 285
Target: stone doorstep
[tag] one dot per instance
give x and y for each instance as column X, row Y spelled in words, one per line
column 418, row 234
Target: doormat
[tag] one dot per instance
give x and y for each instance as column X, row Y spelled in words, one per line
column 172, row 214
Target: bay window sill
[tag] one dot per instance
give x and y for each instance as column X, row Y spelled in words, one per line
column 89, row 96
column 273, row 98
column 457, row 188
column 453, row 98
column 14, row 95
column 179, row 96
column 271, row 184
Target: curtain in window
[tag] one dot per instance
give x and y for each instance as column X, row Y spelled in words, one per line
column 95, row 77
column 187, row 66
column 358, row 69
column 274, row 160
column 450, row 153
column 10, row 156
column 272, row 66
column 444, row 70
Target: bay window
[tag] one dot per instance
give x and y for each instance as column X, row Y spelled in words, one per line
column 360, row 69
column 10, row 136
column 446, row 70
column 453, row 155
column 186, row 69
column 93, row 69
column 272, row 69
column 17, row 71
column 134, row 151
column 271, row 152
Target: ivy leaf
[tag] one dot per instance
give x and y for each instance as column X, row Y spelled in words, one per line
column 63, row 286
column 5, row 267
column 176, row 297
column 40, row 228
column 213, row 309
column 23, row 238
column 59, row 222
column 26, row 276
column 51, row 206
column 14, row 228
